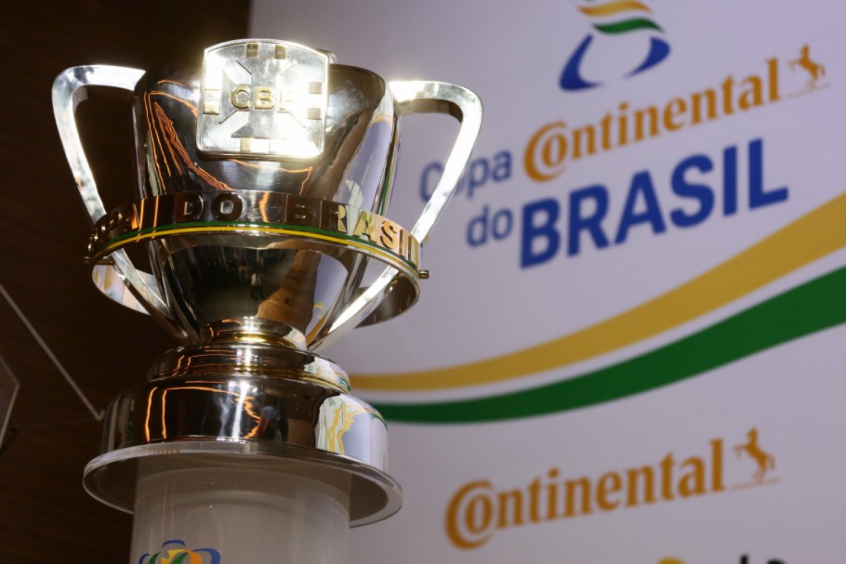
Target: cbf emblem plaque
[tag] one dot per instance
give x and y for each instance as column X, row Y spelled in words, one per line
column 263, row 99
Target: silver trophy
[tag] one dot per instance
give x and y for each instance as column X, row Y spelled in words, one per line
column 264, row 173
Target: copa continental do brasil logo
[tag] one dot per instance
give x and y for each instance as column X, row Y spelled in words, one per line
column 175, row 552
column 661, row 194
column 610, row 20
column 478, row 509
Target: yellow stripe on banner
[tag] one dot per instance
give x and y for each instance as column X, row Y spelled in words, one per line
column 807, row 239
column 614, row 8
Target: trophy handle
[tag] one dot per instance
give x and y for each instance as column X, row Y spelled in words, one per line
column 416, row 97
column 69, row 89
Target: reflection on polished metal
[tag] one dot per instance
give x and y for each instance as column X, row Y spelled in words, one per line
column 264, row 176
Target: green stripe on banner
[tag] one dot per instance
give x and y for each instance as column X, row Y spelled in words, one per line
column 813, row 306
column 627, row 25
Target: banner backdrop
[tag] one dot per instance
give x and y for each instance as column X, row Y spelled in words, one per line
column 631, row 348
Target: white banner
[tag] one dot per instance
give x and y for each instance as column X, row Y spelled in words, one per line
column 631, row 346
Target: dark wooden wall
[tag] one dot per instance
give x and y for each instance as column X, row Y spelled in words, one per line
column 45, row 516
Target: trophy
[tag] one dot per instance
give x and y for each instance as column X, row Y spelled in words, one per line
column 264, row 173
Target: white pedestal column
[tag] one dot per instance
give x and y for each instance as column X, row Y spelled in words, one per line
column 234, row 515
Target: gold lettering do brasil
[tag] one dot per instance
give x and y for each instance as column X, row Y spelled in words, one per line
column 258, row 212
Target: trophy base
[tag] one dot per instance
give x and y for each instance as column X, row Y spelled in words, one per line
column 247, row 397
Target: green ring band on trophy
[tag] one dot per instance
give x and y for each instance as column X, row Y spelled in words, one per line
column 256, row 213
column 264, row 174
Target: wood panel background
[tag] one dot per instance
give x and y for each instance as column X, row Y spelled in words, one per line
column 45, row 515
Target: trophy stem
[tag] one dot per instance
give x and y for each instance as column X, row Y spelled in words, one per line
column 250, row 347
column 252, row 330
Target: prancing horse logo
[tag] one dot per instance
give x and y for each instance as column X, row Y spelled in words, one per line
column 762, row 458
column 815, row 69
column 605, row 20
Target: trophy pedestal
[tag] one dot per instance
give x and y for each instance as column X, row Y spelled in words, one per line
column 247, row 397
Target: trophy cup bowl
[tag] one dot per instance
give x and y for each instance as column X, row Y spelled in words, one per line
column 264, row 173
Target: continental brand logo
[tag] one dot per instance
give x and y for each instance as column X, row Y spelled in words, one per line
column 556, row 144
column 478, row 509
column 612, row 19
